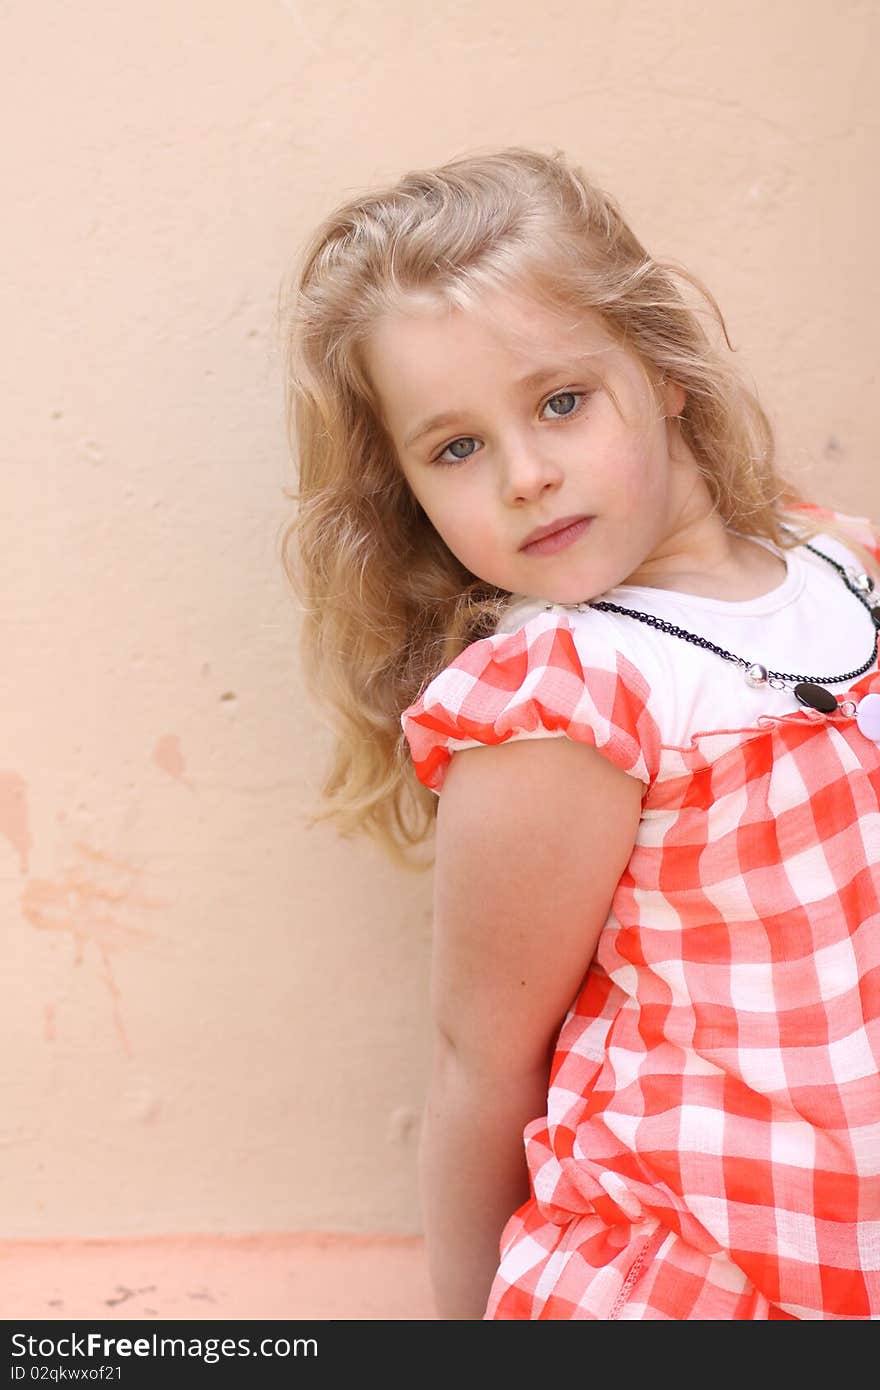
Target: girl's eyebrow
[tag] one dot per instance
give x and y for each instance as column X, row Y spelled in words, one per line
column 449, row 417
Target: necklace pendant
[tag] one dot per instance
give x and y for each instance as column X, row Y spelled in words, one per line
column 815, row 697
column 868, row 716
column 756, row 675
column 864, row 582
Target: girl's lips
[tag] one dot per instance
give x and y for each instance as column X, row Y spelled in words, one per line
column 547, row 545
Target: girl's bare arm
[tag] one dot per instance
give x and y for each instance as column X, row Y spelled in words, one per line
column 532, row 838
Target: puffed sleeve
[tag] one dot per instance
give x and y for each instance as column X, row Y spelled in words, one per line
column 862, row 528
column 549, row 678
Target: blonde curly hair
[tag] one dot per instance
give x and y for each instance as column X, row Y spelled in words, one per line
column 385, row 604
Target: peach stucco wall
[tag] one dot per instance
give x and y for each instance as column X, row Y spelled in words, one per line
column 214, row 1020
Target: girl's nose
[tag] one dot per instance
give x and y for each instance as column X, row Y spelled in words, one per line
column 526, row 470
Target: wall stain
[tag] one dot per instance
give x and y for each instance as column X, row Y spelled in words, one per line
column 14, row 815
column 168, row 757
column 85, row 902
column 125, row 1294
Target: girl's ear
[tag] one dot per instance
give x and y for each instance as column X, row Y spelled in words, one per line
column 673, row 396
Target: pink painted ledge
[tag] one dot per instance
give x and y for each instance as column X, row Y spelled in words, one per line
column 288, row 1276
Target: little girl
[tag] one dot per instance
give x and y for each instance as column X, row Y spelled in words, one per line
column 539, row 514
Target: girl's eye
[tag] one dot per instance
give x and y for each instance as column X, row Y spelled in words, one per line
column 576, row 397
column 565, row 396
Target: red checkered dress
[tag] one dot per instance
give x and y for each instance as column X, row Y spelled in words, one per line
column 711, row 1147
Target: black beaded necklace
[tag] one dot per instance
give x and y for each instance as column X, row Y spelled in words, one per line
column 808, row 690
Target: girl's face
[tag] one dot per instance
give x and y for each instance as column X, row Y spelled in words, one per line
column 544, row 422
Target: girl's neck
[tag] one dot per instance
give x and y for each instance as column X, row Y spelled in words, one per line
column 748, row 571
